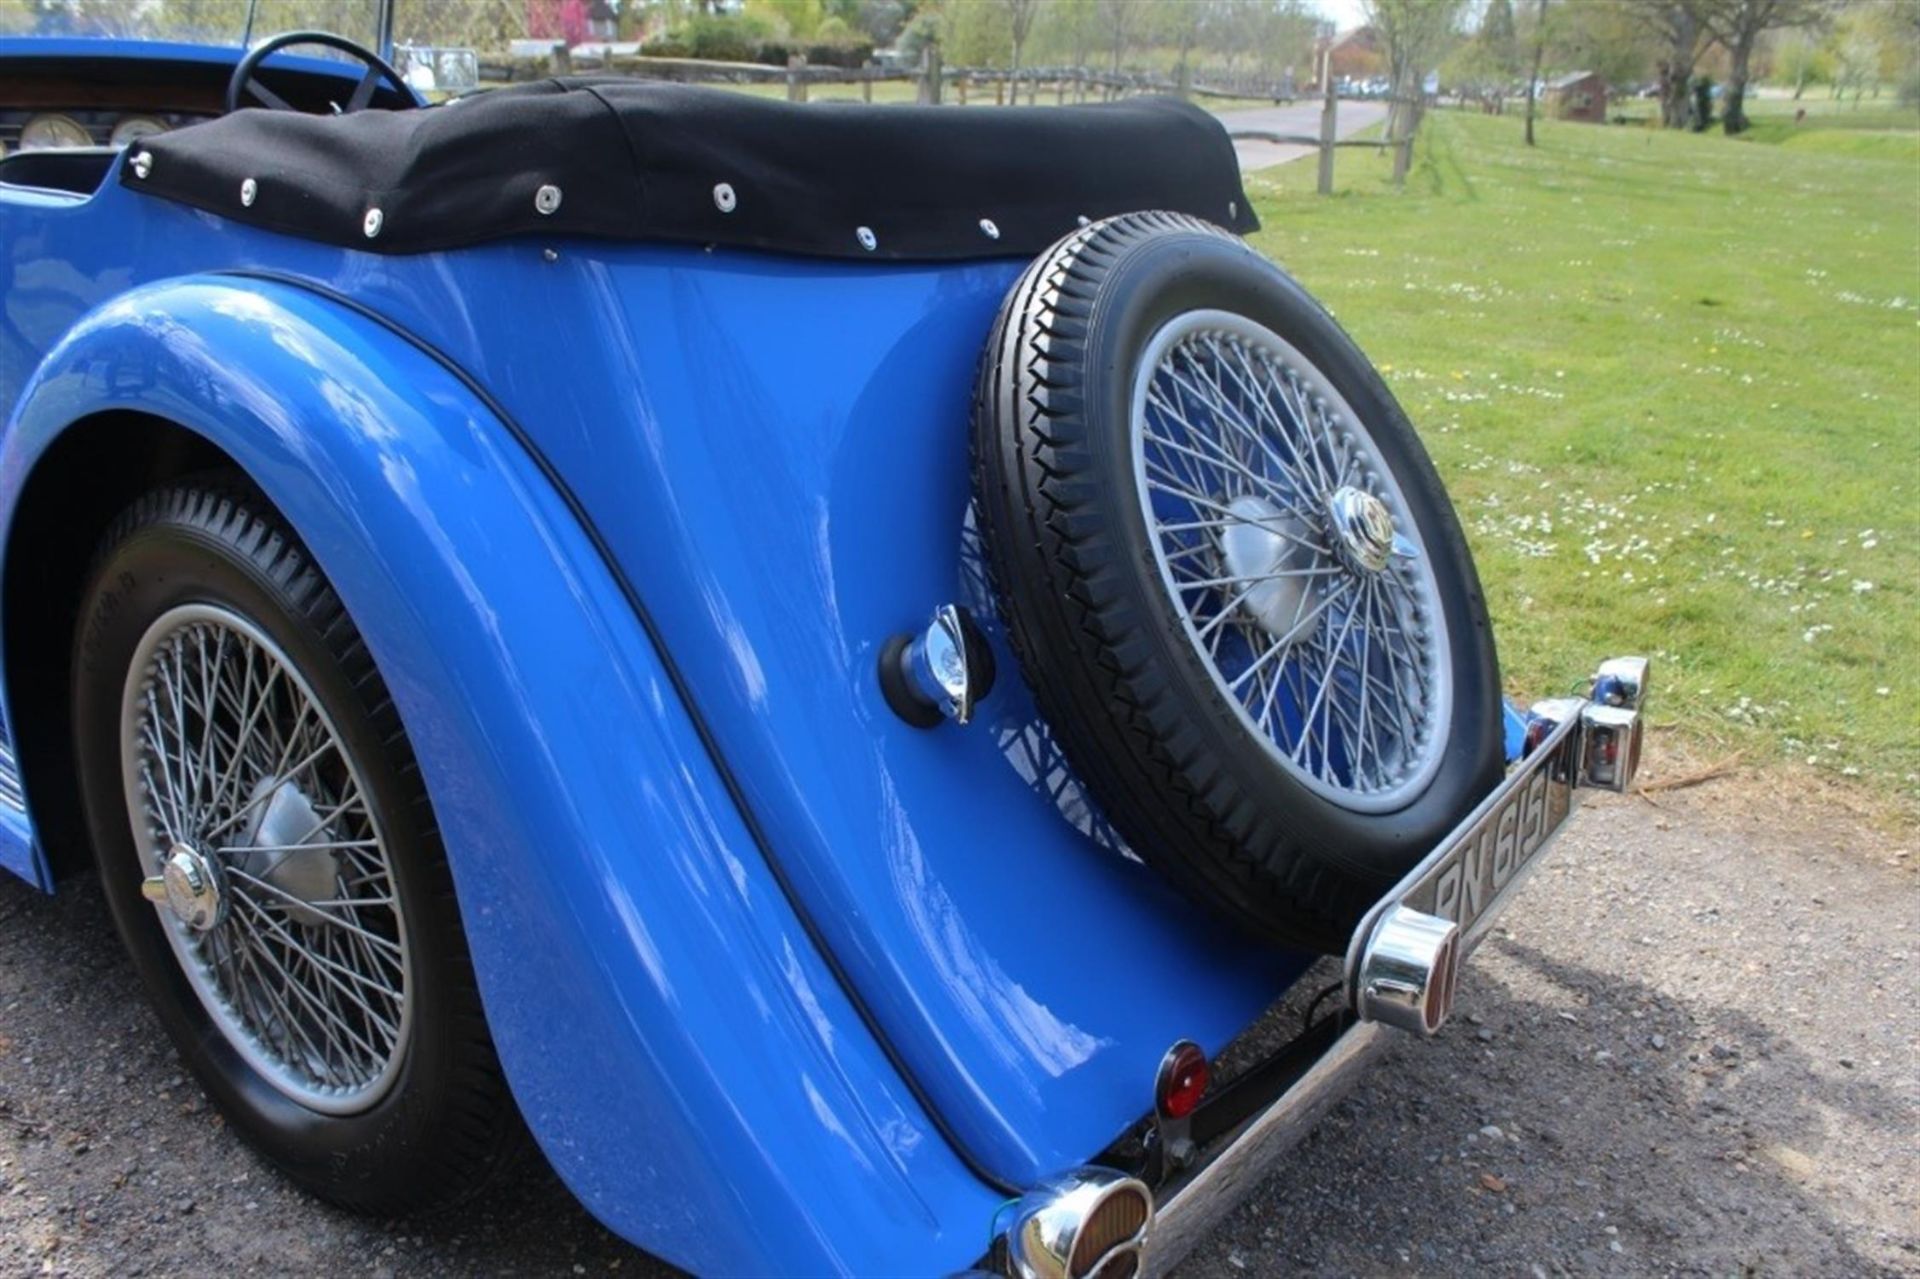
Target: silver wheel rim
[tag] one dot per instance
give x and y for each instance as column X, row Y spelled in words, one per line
column 1286, row 546
column 268, row 868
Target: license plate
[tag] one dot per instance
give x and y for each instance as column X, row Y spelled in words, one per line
column 1471, row 876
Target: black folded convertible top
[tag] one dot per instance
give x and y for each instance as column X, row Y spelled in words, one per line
column 640, row 160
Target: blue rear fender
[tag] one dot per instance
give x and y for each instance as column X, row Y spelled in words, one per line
column 772, row 452
column 676, row 1042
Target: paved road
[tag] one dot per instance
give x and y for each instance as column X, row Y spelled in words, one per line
column 1695, row 1052
column 1302, row 119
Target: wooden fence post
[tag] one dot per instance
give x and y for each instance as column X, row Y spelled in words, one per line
column 796, row 77
column 1403, row 125
column 1329, row 107
column 930, row 76
column 866, row 81
column 960, row 86
column 1416, row 109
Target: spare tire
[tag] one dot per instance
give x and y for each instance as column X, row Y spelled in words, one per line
column 1231, row 576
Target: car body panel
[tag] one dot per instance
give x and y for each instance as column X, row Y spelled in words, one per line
column 775, row 452
column 781, row 983
column 687, row 1061
column 112, row 54
column 778, row 449
column 70, row 49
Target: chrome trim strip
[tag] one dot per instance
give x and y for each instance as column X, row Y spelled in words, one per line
column 1196, row 1205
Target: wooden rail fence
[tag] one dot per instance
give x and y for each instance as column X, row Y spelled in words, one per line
column 937, row 83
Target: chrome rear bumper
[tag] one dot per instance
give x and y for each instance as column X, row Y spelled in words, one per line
column 1197, row 1206
column 1400, row 968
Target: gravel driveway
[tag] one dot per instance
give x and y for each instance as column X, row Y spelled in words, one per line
column 1696, row 1049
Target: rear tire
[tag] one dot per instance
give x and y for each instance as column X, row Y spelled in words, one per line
column 328, row 1004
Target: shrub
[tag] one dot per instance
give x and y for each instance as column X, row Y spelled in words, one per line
column 715, row 37
column 924, row 29
column 750, row 38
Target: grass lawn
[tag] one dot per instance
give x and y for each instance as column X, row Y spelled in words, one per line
column 1869, row 128
column 1673, row 384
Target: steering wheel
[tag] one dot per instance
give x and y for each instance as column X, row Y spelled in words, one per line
column 378, row 69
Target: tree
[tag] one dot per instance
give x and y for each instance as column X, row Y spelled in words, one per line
column 1799, row 58
column 1872, row 42
column 1533, row 75
column 1179, row 23
column 1856, row 61
column 796, row 18
column 881, row 20
column 1067, row 31
column 926, row 29
column 1413, row 34
column 1609, row 40
column 1273, row 34
column 1902, row 27
column 1118, row 19
column 1020, row 14
column 1738, row 25
column 1497, row 32
column 1486, row 66
column 974, row 35
column 1680, row 29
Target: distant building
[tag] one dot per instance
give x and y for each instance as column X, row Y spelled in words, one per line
column 1578, row 95
column 1356, row 54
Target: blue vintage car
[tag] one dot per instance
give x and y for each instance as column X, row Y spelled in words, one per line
column 824, row 662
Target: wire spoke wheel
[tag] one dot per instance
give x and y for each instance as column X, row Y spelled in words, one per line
column 1290, row 554
column 1231, row 576
column 265, row 859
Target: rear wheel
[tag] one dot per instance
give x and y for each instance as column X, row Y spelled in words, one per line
column 269, row 855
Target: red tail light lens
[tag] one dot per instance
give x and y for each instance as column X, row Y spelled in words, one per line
column 1183, row 1080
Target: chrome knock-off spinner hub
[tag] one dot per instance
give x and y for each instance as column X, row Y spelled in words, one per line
column 189, row 885
column 1362, row 527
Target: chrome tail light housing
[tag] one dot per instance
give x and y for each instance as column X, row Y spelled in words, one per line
column 1611, row 725
column 1408, row 970
column 1091, row 1223
column 1610, row 755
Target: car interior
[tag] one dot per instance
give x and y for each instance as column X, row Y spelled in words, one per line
column 63, row 119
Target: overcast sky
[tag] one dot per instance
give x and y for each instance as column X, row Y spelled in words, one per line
column 1344, row 13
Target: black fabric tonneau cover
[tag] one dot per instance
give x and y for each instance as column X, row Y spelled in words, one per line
column 643, row 160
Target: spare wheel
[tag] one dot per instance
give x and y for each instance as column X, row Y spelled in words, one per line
column 1231, row 575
